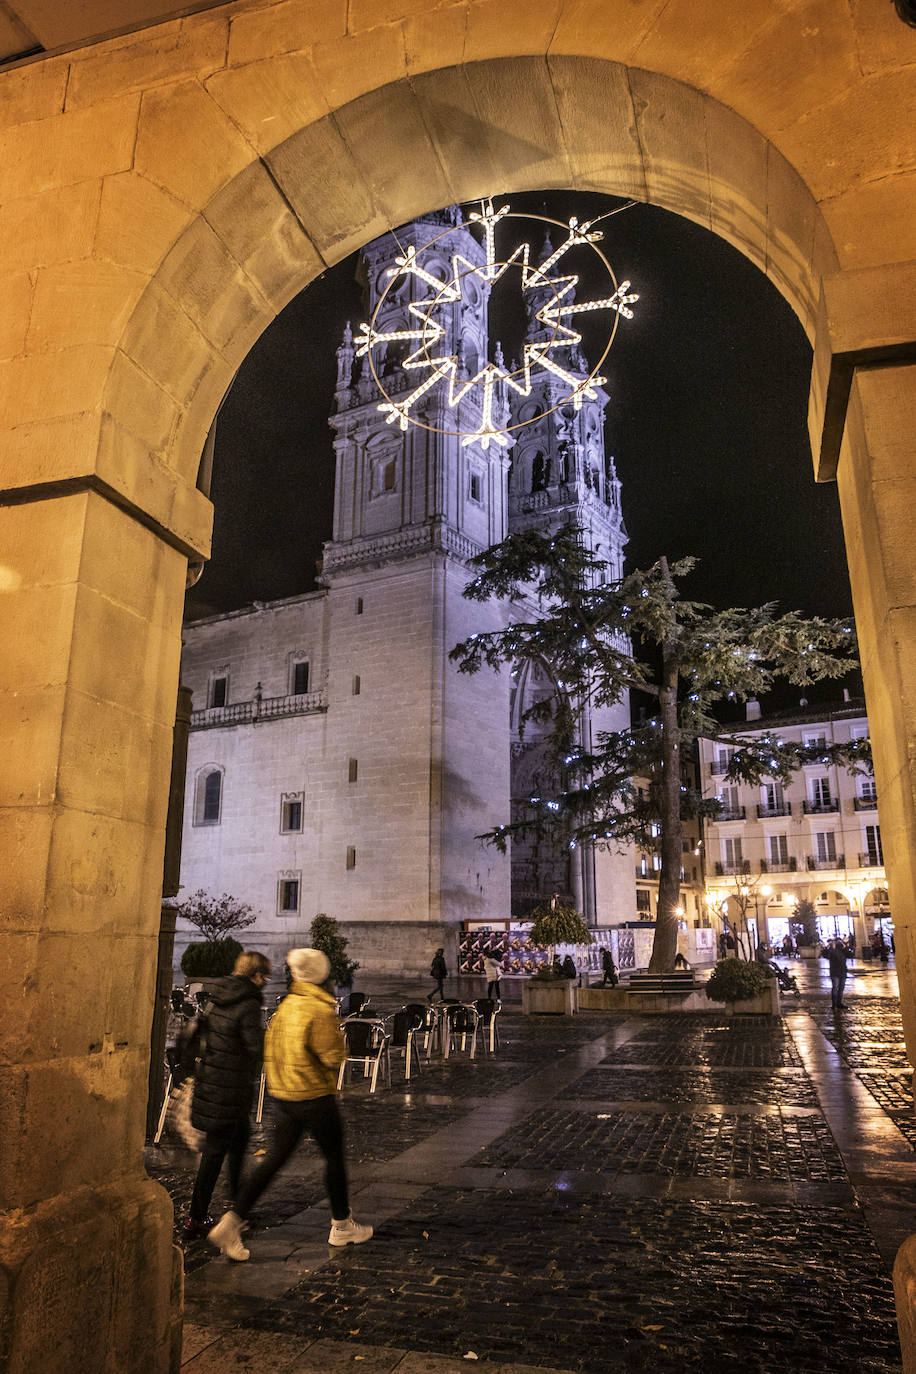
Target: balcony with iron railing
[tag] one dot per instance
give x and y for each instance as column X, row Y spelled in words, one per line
column 257, row 710
column 731, row 813
column 825, row 808
column 820, row 865
column 765, row 812
column 866, row 803
column 871, row 860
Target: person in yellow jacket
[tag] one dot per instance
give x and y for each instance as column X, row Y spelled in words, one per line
column 303, row 1052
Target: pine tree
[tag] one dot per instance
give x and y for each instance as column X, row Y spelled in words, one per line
column 604, row 638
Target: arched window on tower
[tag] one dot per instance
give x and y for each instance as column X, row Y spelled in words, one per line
column 208, row 795
column 538, row 472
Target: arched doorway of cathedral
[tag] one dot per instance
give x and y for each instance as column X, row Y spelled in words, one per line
column 328, row 188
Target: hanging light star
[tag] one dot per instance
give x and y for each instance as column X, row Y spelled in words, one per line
column 428, row 335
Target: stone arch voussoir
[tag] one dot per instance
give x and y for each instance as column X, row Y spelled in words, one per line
column 453, row 134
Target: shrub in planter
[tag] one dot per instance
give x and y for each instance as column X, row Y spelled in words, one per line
column 732, row 980
column 557, row 924
column 210, row 958
column 325, row 935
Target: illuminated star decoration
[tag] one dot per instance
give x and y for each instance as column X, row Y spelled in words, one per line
column 428, row 333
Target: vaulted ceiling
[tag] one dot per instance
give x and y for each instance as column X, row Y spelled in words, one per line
column 30, row 27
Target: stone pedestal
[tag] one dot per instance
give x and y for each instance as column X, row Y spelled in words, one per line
column 559, row 997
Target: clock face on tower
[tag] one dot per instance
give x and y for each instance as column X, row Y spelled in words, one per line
column 443, row 277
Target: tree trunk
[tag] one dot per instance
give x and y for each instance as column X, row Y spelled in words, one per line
column 664, row 946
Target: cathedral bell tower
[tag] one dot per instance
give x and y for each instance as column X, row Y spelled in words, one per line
column 561, row 475
column 427, row 746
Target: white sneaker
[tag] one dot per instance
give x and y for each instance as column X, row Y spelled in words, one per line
column 348, row 1232
column 227, row 1236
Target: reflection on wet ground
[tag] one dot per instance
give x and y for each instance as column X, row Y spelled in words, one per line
column 607, row 1192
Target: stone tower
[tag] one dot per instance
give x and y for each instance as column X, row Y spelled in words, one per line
column 410, row 508
column 562, row 475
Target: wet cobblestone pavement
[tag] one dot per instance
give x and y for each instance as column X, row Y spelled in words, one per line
column 606, row 1193
column 721, row 1145
column 637, row 1083
column 588, row 1285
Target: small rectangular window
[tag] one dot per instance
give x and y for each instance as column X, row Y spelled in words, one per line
column 359, row 605
column 475, row 487
column 218, row 688
column 356, row 685
column 353, row 770
column 643, row 900
column 351, row 856
column 300, row 679
column 291, row 816
column 289, row 895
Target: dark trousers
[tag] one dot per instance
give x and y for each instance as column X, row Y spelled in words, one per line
column 231, row 1140
column 837, row 984
column 440, row 988
column 320, row 1117
column 493, row 990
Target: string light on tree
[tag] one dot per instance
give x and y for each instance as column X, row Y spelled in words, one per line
column 426, row 333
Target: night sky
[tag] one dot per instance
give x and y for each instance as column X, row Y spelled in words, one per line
column 708, row 386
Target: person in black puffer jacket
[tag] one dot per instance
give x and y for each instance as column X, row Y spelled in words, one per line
column 233, row 1044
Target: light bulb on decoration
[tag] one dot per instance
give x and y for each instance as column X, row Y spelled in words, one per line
column 428, row 332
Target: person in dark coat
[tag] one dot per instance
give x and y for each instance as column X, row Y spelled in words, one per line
column 439, row 971
column 608, row 969
column 836, row 955
column 233, row 1040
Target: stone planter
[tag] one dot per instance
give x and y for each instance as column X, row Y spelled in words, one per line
column 560, row 997
column 766, row 1003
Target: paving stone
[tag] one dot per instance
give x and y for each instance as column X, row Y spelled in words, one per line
column 336, row 1357
column 713, row 1145
column 743, row 1052
column 592, row 1284
column 786, row 1087
column 679, row 1205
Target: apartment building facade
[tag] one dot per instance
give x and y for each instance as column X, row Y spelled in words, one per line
column 817, row 837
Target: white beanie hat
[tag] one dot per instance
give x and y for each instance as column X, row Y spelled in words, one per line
column 308, row 965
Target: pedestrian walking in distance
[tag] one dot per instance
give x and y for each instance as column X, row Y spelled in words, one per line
column 439, row 972
column 232, row 1038
column 492, row 968
column 608, row 969
column 303, row 1052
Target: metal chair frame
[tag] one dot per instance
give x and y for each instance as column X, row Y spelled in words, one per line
column 409, row 1043
column 488, row 1010
column 429, row 1025
column 462, row 1013
column 375, row 1051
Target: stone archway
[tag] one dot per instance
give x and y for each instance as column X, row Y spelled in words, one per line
column 209, row 211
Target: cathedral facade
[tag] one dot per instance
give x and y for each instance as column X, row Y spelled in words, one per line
column 338, row 761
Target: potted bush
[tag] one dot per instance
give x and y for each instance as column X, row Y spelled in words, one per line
column 210, row 958
column 214, row 917
column 745, row 988
column 325, row 935
column 554, row 923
